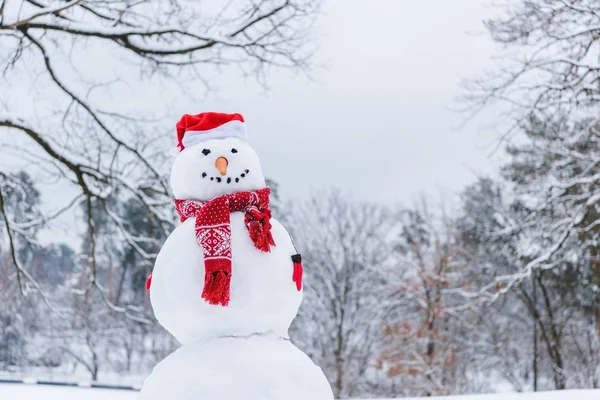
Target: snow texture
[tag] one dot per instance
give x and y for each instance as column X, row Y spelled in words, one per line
column 264, row 298
column 187, row 174
column 255, row 368
column 241, row 350
column 35, row 392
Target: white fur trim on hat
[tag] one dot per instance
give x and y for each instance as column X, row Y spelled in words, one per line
column 233, row 128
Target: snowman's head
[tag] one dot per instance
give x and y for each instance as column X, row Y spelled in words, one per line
column 215, row 167
column 215, row 158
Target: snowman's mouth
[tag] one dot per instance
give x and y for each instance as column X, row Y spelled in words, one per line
column 227, row 179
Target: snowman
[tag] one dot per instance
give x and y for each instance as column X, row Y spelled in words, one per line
column 228, row 281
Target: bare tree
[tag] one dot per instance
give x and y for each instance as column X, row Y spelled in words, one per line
column 57, row 104
column 346, row 258
column 422, row 355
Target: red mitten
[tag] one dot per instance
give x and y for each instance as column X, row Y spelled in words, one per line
column 297, row 274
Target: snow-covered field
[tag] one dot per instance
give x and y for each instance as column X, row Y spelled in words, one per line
column 37, row 392
column 14, row 391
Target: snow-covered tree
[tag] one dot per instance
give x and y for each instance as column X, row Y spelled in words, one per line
column 346, row 259
column 422, row 356
column 548, row 85
column 533, row 326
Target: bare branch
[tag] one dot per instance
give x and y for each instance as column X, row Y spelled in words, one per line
column 55, row 10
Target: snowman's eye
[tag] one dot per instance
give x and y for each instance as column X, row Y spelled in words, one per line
column 206, row 152
column 234, row 150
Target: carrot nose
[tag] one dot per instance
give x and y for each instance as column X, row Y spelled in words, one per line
column 221, row 165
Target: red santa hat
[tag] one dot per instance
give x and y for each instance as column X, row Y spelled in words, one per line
column 194, row 129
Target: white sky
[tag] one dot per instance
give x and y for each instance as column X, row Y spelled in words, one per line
column 375, row 121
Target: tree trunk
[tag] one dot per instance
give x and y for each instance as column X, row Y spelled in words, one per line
column 596, row 264
column 535, row 339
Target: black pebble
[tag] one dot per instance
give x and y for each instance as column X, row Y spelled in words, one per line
column 247, row 170
column 218, row 179
column 204, row 174
column 237, row 179
column 212, row 179
column 243, row 175
column 228, row 180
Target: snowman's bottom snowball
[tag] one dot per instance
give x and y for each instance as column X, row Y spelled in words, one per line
column 255, row 368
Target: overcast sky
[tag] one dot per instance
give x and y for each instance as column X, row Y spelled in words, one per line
column 375, row 121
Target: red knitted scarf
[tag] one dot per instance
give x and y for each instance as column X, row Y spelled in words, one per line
column 213, row 234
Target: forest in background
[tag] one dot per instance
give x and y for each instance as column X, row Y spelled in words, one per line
column 499, row 287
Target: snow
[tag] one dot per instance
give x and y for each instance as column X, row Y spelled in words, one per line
column 36, row 392
column 188, row 182
column 260, row 367
column 264, row 297
column 178, row 281
column 241, row 350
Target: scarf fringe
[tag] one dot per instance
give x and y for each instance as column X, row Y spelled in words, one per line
column 216, row 288
column 213, row 234
column 259, row 228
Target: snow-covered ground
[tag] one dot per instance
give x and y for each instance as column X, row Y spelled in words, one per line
column 36, row 392
column 15, row 391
